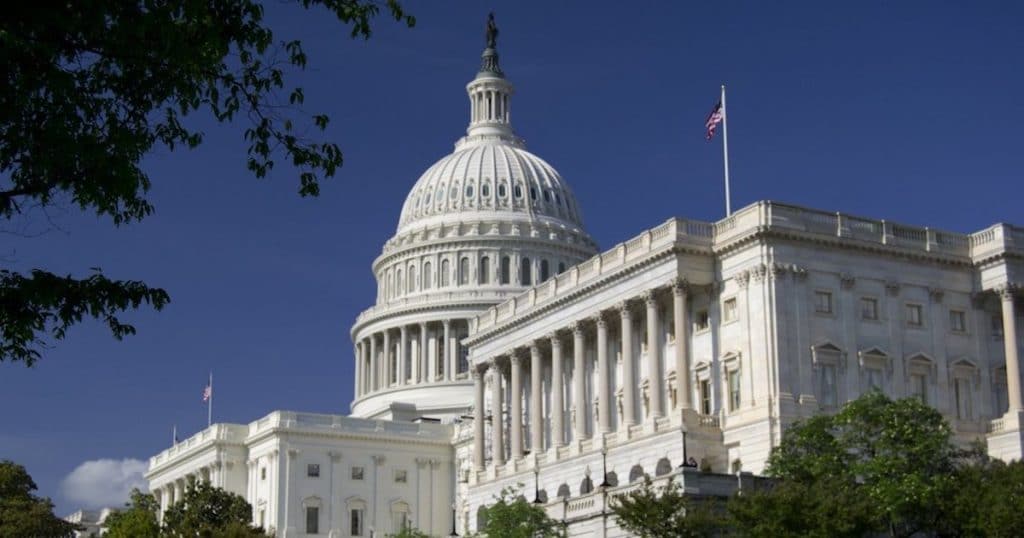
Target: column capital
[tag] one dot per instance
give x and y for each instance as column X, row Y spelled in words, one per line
column 576, row 328
column 600, row 321
column 378, row 459
column 534, row 348
column 403, row 329
column 556, row 341
column 334, row 455
column 514, row 358
column 1007, row 291
column 624, row 310
column 476, row 373
column 650, row 297
column 447, row 323
column 680, row 286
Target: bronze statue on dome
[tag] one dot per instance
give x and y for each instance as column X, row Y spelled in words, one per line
column 492, row 32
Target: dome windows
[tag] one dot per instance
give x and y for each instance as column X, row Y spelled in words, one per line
column 506, row 270
column 518, row 191
column 533, row 193
column 547, row 196
column 501, row 191
column 469, row 191
column 454, row 192
column 485, row 189
column 524, row 272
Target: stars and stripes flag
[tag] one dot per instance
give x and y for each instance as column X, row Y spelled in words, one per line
column 714, row 118
column 207, row 393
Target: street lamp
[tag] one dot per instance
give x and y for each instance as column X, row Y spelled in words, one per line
column 453, row 533
column 604, row 468
column 686, row 458
column 536, row 484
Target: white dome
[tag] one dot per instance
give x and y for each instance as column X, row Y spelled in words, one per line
column 489, row 180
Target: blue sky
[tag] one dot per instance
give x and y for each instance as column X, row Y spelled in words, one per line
column 909, row 111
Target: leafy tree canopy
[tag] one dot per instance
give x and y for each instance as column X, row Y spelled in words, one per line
column 24, row 514
column 665, row 512
column 138, row 519
column 92, row 86
column 205, row 510
column 512, row 517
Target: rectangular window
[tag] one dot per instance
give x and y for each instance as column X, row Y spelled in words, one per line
column 670, row 324
column 705, row 396
column 869, row 308
column 919, row 387
column 828, row 385
column 874, row 378
column 312, row 520
column 356, row 522
column 734, row 390
column 1002, row 400
column 729, row 309
column 962, row 392
column 701, row 321
column 401, row 476
column 313, row 470
column 400, row 521
column 823, row 302
column 957, row 321
column 915, row 315
column 357, row 473
column 263, row 473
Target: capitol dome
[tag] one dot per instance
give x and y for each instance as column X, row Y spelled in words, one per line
column 480, row 226
column 487, row 180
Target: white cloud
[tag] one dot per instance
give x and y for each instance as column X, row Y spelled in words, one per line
column 103, row 482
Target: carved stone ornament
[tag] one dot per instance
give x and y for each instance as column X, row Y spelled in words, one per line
column 680, row 286
column 759, row 273
column 799, row 273
column 649, row 297
column 846, row 280
column 1007, row 291
column 892, row 287
column 936, row 294
column 742, row 279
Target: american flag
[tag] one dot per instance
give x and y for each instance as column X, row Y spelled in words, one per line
column 207, row 393
column 713, row 120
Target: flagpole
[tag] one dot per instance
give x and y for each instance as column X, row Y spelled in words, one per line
column 174, row 435
column 209, row 403
column 725, row 152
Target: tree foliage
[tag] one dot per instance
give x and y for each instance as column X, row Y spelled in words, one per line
column 138, row 519
column 510, row 516
column 877, row 466
column 22, row 513
column 205, row 510
column 665, row 512
column 93, row 86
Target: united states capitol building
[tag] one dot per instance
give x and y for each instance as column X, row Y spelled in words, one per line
column 506, row 348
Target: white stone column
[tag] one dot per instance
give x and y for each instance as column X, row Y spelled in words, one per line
column 421, row 359
column 387, row 359
column 604, row 408
column 478, row 419
column 515, row 427
column 497, row 435
column 579, row 383
column 654, row 376
column 628, row 379
column 403, row 353
column 357, row 366
column 681, row 321
column 557, row 390
column 445, row 370
column 536, row 419
column 1006, row 294
column 374, row 370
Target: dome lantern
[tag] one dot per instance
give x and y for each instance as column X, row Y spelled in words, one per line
column 490, row 96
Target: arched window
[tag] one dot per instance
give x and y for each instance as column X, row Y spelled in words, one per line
column 398, row 280
column 586, row 486
column 524, row 272
column 612, row 479
column 664, row 467
column 544, row 273
column 426, row 276
column 485, row 270
column 506, row 270
column 561, row 267
column 563, row 491
column 464, row 271
column 412, row 279
column 445, row 272
column 481, row 518
column 636, row 473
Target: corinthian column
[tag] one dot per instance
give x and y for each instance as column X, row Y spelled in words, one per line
column 387, row 359
column 403, row 345
column 682, row 325
column 515, row 426
column 1010, row 345
column 536, row 421
column 654, row 376
column 603, row 401
column 579, row 382
column 628, row 380
column 478, row 420
column 557, row 390
column 497, row 399
column 374, row 370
